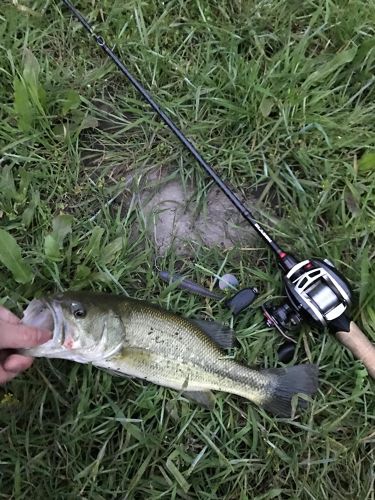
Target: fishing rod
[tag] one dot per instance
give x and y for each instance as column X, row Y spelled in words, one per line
column 315, row 289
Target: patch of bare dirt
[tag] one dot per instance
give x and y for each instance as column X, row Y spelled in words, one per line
column 172, row 218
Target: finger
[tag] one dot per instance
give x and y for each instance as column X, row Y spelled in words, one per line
column 21, row 336
column 8, row 316
column 16, row 363
column 6, row 376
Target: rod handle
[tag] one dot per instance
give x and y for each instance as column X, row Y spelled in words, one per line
column 360, row 346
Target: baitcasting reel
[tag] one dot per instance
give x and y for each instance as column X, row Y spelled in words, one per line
column 315, row 291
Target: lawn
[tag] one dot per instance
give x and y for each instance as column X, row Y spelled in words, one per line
column 279, row 97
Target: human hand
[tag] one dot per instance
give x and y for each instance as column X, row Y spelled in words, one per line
column 15, row 335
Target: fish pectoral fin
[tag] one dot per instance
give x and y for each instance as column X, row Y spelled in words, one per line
column 204, row 398
column 222, row 335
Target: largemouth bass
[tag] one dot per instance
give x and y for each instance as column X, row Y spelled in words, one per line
column 134, row 338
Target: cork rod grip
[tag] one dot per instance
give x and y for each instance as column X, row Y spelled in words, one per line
column 361, row 347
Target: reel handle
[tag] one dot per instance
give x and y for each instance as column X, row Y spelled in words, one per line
column 361, row 347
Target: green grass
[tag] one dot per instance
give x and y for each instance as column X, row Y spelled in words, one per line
column 278, row 96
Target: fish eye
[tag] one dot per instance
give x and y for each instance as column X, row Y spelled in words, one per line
column 78, row 310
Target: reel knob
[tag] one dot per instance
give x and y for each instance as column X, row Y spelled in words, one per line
column 283, row 317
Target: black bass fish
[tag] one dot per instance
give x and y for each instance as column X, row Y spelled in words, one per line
column 134, row 338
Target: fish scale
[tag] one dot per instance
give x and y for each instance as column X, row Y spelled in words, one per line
column 181, row 356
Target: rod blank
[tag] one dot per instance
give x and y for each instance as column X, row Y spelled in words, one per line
column 245, row 212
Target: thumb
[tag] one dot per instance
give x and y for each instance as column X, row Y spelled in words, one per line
column 17, row 336
column 8, row 316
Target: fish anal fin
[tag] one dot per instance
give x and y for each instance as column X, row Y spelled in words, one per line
column 222, row 335
column 203, row 398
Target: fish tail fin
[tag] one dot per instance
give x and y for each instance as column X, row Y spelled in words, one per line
column 299, row 379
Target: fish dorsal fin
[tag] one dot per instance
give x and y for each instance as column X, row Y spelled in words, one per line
column 222, row 335
column 203, row 398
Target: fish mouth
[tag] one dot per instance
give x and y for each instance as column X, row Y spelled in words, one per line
column 45, row 314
